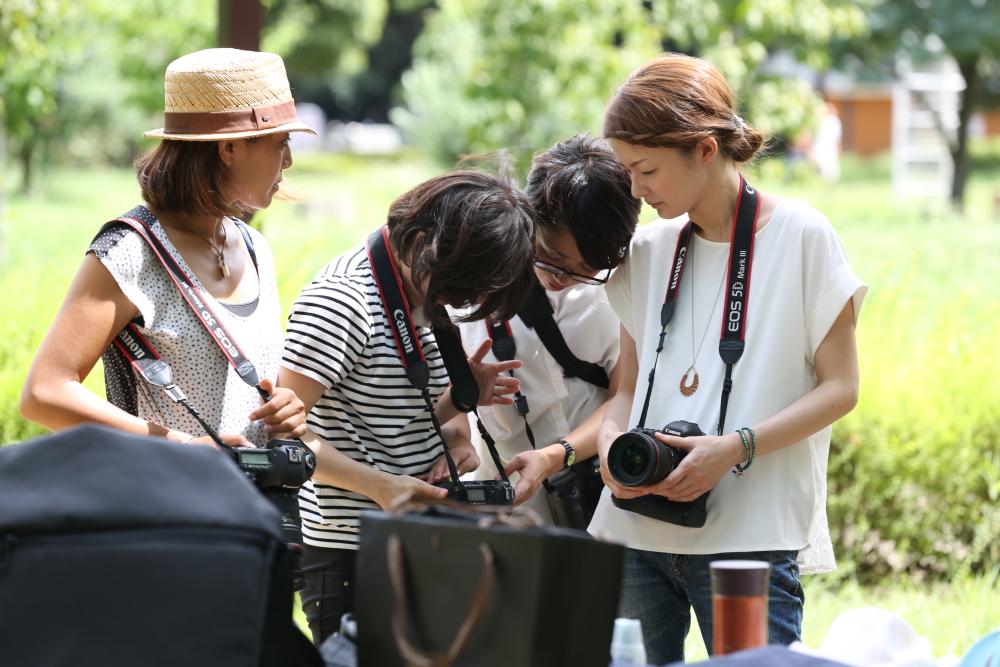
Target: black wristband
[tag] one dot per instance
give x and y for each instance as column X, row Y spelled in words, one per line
column 461, row 407
column 569, row 458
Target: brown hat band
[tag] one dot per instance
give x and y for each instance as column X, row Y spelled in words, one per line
column 225, row 122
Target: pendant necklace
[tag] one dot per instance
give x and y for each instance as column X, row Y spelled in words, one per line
column 687, row 389
column 219, row 250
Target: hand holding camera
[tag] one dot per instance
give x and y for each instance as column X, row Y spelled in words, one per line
column 641, row 461
column 708, row 458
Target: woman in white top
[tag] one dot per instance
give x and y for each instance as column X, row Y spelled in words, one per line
column 673, row 126
column 585, row 217
column 223, row 150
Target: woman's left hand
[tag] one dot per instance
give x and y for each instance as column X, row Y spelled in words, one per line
column 709, row 457
column 494, row 385
column 284, row 414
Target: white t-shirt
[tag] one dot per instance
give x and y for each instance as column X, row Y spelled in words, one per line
column 556, row 404
column 339, row 336
column 800, row 282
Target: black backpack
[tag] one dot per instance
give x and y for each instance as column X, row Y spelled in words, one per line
column 118, row 549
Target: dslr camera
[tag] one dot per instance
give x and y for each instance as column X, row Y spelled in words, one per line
column 637, row 458
column 483, row 492
column 278, row 471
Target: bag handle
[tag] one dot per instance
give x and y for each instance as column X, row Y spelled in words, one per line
column 489, row 515
column 481, row 598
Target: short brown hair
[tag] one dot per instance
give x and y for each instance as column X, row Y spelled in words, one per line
column 184, row 177
column 675, row 101
column 580, row 184
column 470, row 235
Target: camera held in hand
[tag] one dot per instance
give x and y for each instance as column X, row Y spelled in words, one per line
column 279, row 471
column 638, row 459
column 484, row 492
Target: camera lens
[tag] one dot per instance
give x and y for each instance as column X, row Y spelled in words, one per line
column 634, row 460
column 637, row 458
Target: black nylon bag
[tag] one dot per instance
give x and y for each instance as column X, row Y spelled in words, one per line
column 551, row 602
column 125, row 550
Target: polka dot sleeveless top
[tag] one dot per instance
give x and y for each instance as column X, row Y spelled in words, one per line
column 165, row 319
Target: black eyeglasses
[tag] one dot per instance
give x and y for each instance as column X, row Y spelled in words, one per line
column 559, row 272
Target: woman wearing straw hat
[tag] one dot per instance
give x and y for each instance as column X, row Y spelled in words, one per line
column 224, row 146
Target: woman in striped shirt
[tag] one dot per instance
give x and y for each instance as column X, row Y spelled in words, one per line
column 461, row 239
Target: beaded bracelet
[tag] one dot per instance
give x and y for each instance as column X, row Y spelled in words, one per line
column 749, row 440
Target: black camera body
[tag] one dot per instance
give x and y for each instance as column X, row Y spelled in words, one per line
column 574, row 492
column 637, row 459
column 279, row 470
column 483, row 492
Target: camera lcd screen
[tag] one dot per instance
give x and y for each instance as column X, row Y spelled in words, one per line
column 477, row 495
column 254, row 458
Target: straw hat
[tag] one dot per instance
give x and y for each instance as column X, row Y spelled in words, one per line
column 227, row 94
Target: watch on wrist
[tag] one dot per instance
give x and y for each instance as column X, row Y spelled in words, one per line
column 570, row 457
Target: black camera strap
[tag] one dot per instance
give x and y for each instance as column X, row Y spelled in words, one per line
column 537, row 313
column 732, row 339
column 411, row 353
column 198, row 301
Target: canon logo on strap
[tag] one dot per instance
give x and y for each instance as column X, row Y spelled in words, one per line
column 404, row 335
column 125, row 337
column 678, row 265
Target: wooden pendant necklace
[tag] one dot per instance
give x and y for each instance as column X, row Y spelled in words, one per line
column 219, row 250
column 687, row 387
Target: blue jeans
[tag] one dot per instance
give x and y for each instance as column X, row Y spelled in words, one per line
column 660, row 589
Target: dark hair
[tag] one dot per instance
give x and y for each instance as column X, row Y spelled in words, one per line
column 185, row 177
column 470, row 235
column 580, row 184
column 676, row 101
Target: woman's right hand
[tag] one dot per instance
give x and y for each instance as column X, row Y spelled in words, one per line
column 395, row 486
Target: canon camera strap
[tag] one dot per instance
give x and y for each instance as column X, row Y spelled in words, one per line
column 198, row 301
column 154, row 370
column 732, row 339
column 537, row 313
column 411, row 353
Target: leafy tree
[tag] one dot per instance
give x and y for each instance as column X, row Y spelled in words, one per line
column 522, row 75
column 968, row 31
column 30, row 65
column 739, row 36
column 345, row 55
column 488, row 75
column 89, row 73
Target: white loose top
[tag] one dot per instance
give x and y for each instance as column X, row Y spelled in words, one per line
column 800, row 282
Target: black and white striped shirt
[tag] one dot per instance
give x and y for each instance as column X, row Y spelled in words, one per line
column 339, row 336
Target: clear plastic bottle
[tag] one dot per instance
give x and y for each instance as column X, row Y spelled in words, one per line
column 626, row 643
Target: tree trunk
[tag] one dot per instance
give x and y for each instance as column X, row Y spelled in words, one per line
column 960, row 149
column 26, row 154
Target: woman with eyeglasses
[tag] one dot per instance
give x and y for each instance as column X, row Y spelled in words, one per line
column 585, row 217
